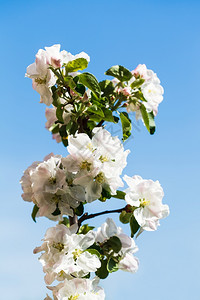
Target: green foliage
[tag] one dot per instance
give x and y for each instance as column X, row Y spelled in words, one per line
column 54, row 128
column 152, row 125
column 102, row 272
column 124, row 217
column 93, row 251
column 79, row 210
column 91, row 82
column 108, row 116
column 105, row 195
column 113, row 243
column 120, row 73
column 148, row 119
column 59, row 113
column 85, row 229
column 56, row 212
column 65, row 222
column 96, row 110
column 126, row 125
column 112, row 265
column 137, row 83
column 34, row 212
column 107, row 87
column 119, row 195
column 76, row 65
column 80, row 88
column 133, row 225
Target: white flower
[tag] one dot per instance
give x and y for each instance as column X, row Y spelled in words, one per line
column 65, row 253
column 42, row 77
column 147, row 196
column 67, row 56
column 51, row 188
column 153, row 93
column 77, row 261
column 78, row 289
column 98, row 162
column 26, row 182
column 127, row 262
column 151, row 89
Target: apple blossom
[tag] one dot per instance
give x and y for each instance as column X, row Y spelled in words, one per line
column 58, row 186
column 65, row 253
column 146, row 196
column 78, row 289
column 127, row 261
column 98, row 162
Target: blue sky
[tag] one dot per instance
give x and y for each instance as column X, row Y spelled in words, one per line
column 165, row 36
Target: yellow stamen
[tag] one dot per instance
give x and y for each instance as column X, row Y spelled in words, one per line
column 100, row 178
column 40, row 80
column 58, row 246
column 144, row 202
column 103, row 158
column 74, row 297
column 76, row 253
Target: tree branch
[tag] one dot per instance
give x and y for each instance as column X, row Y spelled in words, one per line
column 73, row 220
column 86, row 216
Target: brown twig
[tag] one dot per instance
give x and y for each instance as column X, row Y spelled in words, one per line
column 86, row 216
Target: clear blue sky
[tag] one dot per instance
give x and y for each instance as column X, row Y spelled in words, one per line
column 165, row 36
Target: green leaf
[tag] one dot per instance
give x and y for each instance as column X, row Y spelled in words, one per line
column 114, row 243
column 112, row 265
column 126, row 125
column 70, row 82
column 59, row 113
column 148, row 119
column 55, row 96
column 102, row 272
column 91, row 124
column 34, row 212
column 93, row 251
column 96, row 110
column 79, row 210
column 80, row 88
column 56, row 212
column 54, row 128
column 78, row 106
column 104, row 195
column 134, row 225
column 120, row 73
column 65, row 222
column 107, row 87
column 108, row 115
column 91, row 82
column 137, row 83
column 76, row 64
column 95, row 118
column 124, row 217
column 152, row 124
column 85, row 229
column 119, row 195
column 145, row 116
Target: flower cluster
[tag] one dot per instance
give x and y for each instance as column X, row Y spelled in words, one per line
column 58, row 185
column 50, row 187
column 42, row 76
column 77, row 289
column 69, row 257
column 74, row 253
column 98, row 162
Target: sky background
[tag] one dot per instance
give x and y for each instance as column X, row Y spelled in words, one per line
column 165, row 36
